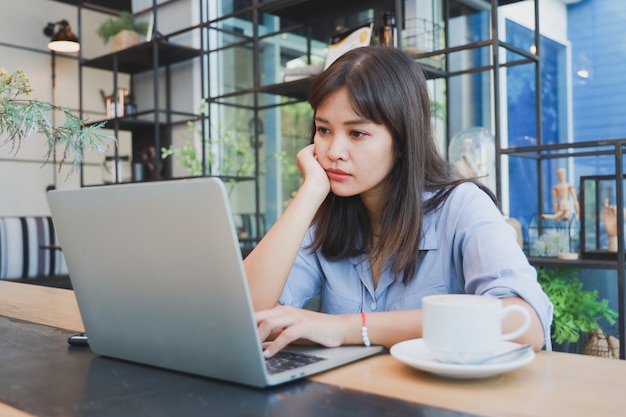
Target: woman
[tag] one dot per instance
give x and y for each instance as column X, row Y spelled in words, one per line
column 380, row 221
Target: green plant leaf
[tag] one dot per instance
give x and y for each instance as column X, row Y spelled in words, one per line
column 20, row 118
column 576, row 311
column 125, row 21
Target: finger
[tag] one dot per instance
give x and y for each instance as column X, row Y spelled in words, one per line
column 268, row 331
column 272, row 312
column 282, row 329
column 274, row 321
column 287, row 336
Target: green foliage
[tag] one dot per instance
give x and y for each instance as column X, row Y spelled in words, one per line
column 575, row 310
column 187, row 156
column 20, row 118
column 438, row 110
column 125, row 21
column 235, row 153
column 231, row 157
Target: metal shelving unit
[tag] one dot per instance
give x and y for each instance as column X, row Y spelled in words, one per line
column 153, row 126
column 318, row 23
column 612, row 149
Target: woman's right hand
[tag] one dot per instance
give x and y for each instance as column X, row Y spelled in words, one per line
column 312, row 171
column 283, row 325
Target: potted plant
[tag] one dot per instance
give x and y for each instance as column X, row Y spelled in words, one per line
column 20, row 117
column 575, row 311
column 123, row 29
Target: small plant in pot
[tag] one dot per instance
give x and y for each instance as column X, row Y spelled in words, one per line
column 123, row 29
column 576, row 311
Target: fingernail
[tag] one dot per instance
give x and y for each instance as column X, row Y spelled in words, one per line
column 267, row 353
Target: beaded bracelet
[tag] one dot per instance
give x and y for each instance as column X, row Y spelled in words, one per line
column 366, row 338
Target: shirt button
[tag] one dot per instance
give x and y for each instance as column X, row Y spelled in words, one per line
column 373, row 306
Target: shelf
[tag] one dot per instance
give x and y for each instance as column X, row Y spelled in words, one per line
column 130, row 124
column 111, row 5
column 139, row 58
column 298, row 89
column 305, row 11
column 578, row 263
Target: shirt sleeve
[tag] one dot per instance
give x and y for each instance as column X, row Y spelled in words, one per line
column 306, row 277
column 488, row 256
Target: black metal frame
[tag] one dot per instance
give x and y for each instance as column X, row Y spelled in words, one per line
column 615, row 148
column 594, row 219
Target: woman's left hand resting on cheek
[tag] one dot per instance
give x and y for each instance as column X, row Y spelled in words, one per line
column 283, row 325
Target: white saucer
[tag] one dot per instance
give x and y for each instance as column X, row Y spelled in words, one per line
column 416, row 354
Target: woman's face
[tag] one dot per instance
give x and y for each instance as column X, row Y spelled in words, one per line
column 357, row 154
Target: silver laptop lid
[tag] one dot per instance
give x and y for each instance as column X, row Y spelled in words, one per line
column 158, row 276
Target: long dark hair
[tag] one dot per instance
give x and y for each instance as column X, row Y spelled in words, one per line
column 387, row 87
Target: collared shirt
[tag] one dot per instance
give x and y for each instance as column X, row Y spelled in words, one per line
column 468, row 249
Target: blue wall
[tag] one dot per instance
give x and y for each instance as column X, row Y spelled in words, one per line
column 521, row 97
column 597, row 33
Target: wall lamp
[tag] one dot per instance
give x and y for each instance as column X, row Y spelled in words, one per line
column 64, row 39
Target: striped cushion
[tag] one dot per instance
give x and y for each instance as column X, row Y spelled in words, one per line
column 23, row 252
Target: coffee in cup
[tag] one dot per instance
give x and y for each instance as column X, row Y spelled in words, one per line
column 464, row 328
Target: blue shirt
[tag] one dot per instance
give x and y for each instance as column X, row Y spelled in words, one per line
column 469, row 248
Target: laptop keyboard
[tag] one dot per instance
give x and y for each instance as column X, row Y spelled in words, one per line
column 285, row 361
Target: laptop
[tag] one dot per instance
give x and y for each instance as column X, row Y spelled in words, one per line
column 158, row 275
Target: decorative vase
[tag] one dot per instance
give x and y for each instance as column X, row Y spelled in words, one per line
column 125, row 39
column 472, row 152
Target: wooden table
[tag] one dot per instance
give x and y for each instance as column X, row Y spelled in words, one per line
column 555, row 384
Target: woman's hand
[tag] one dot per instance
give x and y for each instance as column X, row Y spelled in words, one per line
column 312, row 171
column 284, row 325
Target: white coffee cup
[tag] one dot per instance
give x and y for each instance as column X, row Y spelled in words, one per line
column 464, row 328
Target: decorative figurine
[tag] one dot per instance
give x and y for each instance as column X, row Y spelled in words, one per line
column 610, row 224
column 561, row 193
